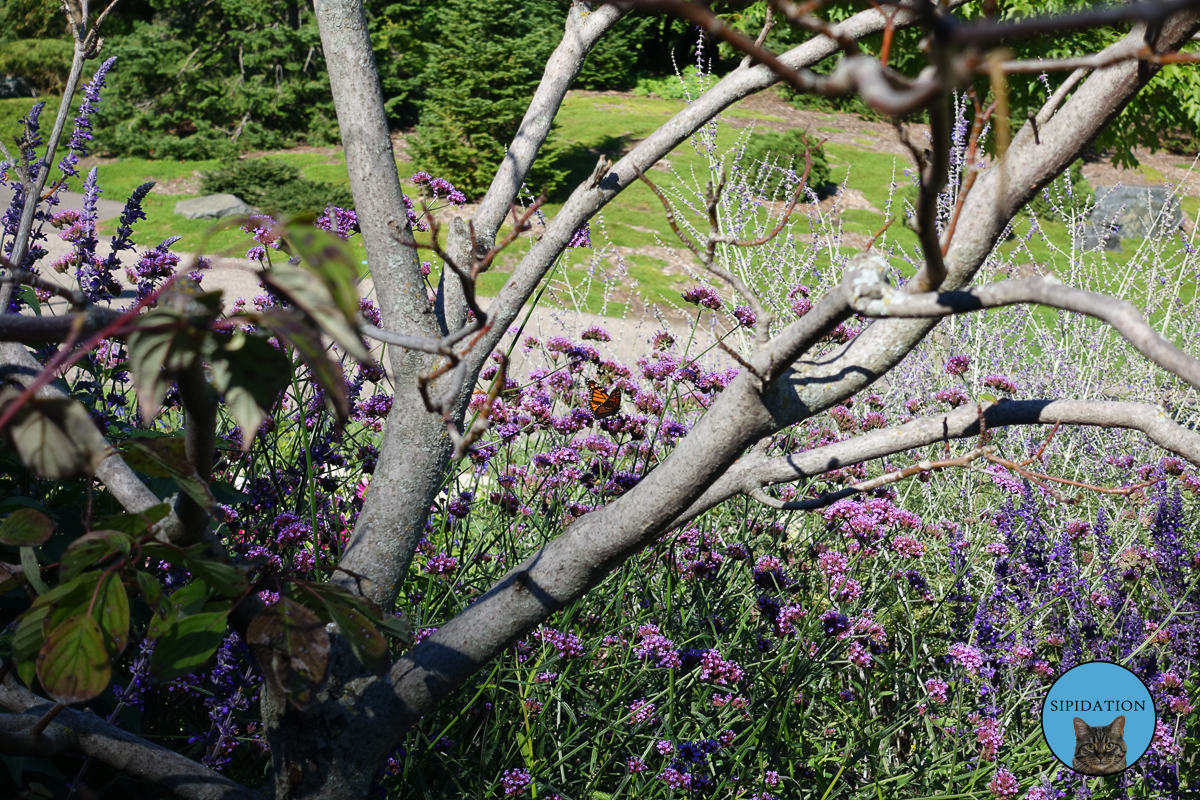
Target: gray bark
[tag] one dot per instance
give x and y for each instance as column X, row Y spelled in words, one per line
column 92, row 736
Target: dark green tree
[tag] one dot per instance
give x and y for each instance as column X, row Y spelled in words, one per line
column 484, row 63
column 206, row 79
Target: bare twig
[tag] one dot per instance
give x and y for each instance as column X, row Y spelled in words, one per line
column 824, row 500
column 884, row 90
column 26, row 278
column 988, row 31
column 768, row 23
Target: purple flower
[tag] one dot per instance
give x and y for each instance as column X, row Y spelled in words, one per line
column 515, row 781
column 703, row 296
column 376, row 406
column 582, row 237
column 969, row 657
column 745, row 316
column 958, row 365
column 952, row 396
column 936, row 689
column 1004, row 784
column 340, row 222
column 1000, row 383
column 641, row 711
column 834, row 623
column 441, row 564
column 635, row 764
column 82, row 133
column 596, row 334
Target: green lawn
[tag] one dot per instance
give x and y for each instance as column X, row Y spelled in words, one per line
column 587, row 127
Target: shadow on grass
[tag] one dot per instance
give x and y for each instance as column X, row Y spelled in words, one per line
column 579, row 160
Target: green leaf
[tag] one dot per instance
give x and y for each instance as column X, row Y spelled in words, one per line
column 166, row 457
column 136, row 525
column 112, row 612
column 396, row 625
column 291, row 646
column 365, row 639
column 90, row 549
column 30, row 298
column 297, row 332
column 329, row 257
column 183, row 602
column 33, row 570
column 250, row 373
column 73, row 664
column 332, row 594
column 164, row 343
column 26, row 527
column 52, row 437
column 28, row 638
column 226, row 579
column 151, row 591
column 324, row 289
column 188, row 644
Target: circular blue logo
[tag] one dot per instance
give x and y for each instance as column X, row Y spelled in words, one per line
column 1098, row 718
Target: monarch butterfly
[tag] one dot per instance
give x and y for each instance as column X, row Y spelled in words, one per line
column 604, row 404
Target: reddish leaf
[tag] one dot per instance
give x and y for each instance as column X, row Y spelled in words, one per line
column 292, row 648
column 26, row 527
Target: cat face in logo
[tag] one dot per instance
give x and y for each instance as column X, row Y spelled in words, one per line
column 1100, row 749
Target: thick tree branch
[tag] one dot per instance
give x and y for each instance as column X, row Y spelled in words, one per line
column 756, row 470
column 567, row 567
column 18, row 366
column 91, row 735
column 40, row 330
column 583, row 30
column 884, row 301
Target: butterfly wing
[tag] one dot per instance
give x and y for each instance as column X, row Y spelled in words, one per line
column 604, row 404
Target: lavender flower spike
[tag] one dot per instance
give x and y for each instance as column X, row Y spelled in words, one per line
column 82, row 133
column 129, row 215
column 94, row 278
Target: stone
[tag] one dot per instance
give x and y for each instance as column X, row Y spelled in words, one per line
column 1129, row 212
column 16, row 86
column 212, row 206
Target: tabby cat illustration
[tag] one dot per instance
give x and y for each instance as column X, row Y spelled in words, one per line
column 1099, row 750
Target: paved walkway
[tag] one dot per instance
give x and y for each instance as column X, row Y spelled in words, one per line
column 238, row 277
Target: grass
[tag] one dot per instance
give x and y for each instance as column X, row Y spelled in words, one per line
column 588, row 127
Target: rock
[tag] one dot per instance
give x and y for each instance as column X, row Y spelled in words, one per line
column 16, row 86
column 1129, row 212
column 212, row 206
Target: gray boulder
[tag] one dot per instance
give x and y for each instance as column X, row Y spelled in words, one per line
column 212, row 206
column 1128, row 212
column 16, row 86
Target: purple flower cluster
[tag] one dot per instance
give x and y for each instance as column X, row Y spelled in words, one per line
column 515, row 781
column 703, row 296
column 958, row 365
column 340, row 222
column 581, row 237
column 440, row 186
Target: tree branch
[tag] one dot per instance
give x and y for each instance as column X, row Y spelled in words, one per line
column 884, row 301
column 567, row 567
column 756, row 470
column 17, row 365
column 95, row 738
column 592, row 195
